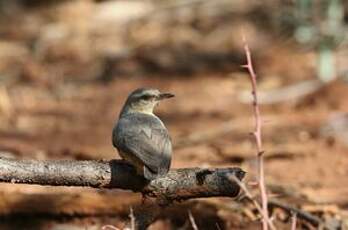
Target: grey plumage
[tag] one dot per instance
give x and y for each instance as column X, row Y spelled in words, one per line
column 140, row 136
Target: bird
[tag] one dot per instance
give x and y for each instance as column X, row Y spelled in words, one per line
column 140, row 136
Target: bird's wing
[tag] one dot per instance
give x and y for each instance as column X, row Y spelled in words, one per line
column 146, row 138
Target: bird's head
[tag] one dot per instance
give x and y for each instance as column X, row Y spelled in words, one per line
column 144, row 100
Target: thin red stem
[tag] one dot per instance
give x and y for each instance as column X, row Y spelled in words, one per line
column 257, row 134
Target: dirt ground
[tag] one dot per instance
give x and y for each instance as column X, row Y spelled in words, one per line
column 305, row 139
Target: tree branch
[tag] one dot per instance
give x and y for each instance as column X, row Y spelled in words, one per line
column 178, row 184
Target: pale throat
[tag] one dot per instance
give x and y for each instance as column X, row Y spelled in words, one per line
column 142, row 109
column 146, row 109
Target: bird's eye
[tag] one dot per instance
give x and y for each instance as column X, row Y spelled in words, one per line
column 146, row 97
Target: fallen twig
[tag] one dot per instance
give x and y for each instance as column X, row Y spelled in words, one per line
column 314, row 220
column 291, row 92
column 192, row 221
column 132, row 219
column 108, row 227
column 252, row 199
column 293, row 220
column 207, row 135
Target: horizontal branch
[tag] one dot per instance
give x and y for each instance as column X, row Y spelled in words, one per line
column 178, row 184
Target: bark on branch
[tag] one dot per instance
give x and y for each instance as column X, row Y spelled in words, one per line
column 178, row 184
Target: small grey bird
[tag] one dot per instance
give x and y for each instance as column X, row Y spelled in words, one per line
column 141, row 137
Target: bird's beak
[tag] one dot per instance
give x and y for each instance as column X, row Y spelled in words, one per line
column 165, row 96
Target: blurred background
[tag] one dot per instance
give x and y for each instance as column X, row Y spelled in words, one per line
column 66, row 68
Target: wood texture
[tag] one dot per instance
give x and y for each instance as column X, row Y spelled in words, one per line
column 178, row 184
